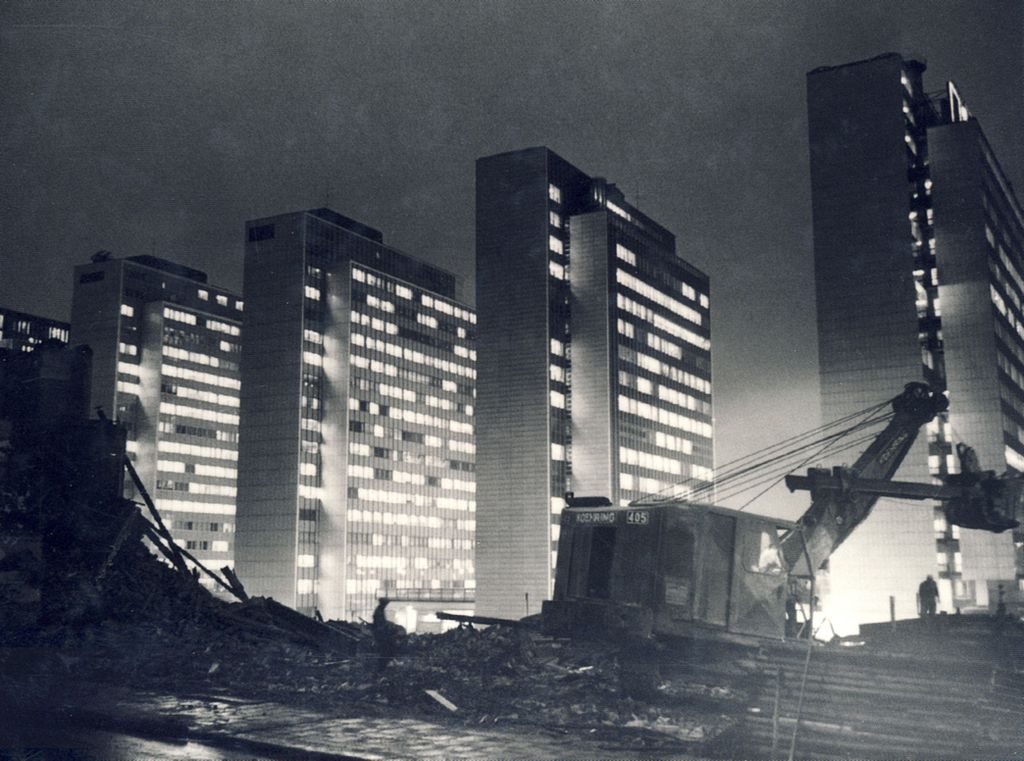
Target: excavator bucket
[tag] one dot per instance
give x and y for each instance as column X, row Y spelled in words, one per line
column 991, row 504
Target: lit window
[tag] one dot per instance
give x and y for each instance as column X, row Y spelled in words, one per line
column 556, row 270
column 555, row 219
column 127, row 310
column 557, row 347
column 557, row 451
column 557, row 399
column 557, row 373
column 625, row 254
column 305, row 561
column 222, row 300
column 554, row 193
column 219, row 545
column 204, row 295
column 555, row 244
column 239, row 305
column 312, row 293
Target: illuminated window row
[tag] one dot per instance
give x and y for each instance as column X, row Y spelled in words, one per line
column 312, row 358
column 557, row 373
column 400, row 498
column 467, row 447
column 673, row 443
column 701, row 472
column 662, row 323
column 451, row 310
column 651, row 461
column 369, row 278
column 557, row 399
column 191, row 487
column 663, row 416
column 462, row 351
column 198, row 376
column 397, row 392
column 126, row 387
column 557, row 451
column 312, row 336
column 173, row 503
column 384, row 305
column 679, row 399
column 127, row 310
column 375, row 323
column 194, row 450
column 651, row 293
column 665, row 346
column 191, row 356
column 626, row 328
column 210, row 397
column 411, row 355
column 199, row 469
column 557, row 347
column 641, row 483
column 1011, row 341
column 657, row 367
column 1007, row 313
column 224, row 327
column 179, row 316
column 625, row 254
column 130, row 349
column 184, row 429
column 312, row 292
column 128, row 368
column 422, row 418
column 213, row 416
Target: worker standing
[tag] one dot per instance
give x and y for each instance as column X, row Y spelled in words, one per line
column 928, row 594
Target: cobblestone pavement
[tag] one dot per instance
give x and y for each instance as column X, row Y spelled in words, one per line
column 276, row 731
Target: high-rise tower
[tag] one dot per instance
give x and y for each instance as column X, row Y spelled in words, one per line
column 165, row 349
column 889, row 257
column 595, row 368
column 357, row 452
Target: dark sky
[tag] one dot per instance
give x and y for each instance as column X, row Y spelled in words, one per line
column 161, row 127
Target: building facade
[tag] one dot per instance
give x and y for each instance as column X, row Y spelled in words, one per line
column 357, row 441
column 21, row 332
column 594, row 364
column 883, row 320
column 166, row 348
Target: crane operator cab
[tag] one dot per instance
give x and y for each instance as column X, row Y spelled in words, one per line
column 667, row 568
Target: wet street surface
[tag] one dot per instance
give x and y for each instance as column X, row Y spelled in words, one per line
column 98, row 745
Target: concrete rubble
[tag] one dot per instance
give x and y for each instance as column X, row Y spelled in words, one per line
column 86, row 602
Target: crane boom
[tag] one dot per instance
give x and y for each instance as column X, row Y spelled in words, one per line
column 833, row 515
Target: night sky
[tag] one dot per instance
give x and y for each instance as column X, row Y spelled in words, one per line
column 159, row 128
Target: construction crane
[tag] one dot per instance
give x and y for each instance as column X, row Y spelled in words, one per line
column 669, row 565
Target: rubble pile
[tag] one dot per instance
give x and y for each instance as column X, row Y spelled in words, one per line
column 107, row 610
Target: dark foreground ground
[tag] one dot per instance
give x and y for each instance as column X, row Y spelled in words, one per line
column 951, row 689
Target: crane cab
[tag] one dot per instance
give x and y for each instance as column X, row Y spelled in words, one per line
column 667, row 568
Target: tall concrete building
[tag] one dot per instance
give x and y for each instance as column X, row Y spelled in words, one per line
column 595, row 366
column 892, row 251
column 21, row 332
column 165, row 349
column 357, row 448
